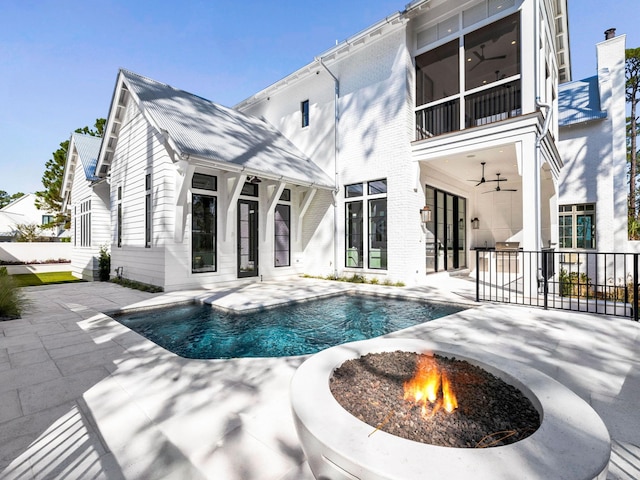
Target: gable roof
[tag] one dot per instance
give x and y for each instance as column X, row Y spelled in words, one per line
column 198, row 128
column 83, row 148
column 88, row 148
column 579, row 102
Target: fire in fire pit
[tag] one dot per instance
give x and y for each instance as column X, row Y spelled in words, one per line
column 424, row 386
column 433, row 399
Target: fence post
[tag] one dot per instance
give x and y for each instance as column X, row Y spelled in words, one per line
column 635, row 287
column 477, row 275
column 545, row 280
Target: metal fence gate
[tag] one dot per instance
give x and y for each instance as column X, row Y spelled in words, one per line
column 595, row 282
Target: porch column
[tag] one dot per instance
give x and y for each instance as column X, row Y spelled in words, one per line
column 531, row 212
column 529, row 166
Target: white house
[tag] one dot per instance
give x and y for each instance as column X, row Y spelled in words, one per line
column 23, row 211
column 395, row 154
column 86, row 197
column 592, row 188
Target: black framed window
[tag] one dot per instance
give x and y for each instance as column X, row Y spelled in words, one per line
column 353, row 190
column 203, row 233
column 119, row 219
column 204, row 182
column 354, row 234
column 147, row 211
column 282, row 240
column 304, row 113
column 285, row 196
column 378, row 233
column 249, row 189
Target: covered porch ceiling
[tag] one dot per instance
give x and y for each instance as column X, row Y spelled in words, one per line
column 465, row 166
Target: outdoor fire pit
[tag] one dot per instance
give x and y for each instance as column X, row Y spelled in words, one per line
column 570, row 442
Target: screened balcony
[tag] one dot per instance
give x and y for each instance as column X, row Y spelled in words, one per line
column 486, row 90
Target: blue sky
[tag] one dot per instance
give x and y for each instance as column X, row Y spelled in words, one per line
column 59, row 58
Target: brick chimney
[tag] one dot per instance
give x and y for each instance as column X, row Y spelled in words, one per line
column 609, row 34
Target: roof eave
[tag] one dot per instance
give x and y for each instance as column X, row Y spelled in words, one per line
column 232, row 167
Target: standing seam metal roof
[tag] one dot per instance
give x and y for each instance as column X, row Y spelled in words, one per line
column 207, row 130
column 579, row 102
column 88, row 148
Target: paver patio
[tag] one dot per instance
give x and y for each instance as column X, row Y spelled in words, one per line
column 83, row 397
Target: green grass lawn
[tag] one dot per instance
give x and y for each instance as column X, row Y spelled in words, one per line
column 45, row 278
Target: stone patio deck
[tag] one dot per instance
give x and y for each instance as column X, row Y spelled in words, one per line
column 83, row 397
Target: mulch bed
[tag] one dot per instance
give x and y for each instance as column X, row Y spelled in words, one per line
column 490, row 412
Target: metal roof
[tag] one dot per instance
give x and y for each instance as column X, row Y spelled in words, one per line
column 579, row 102
column 88, row 148
column 201, row 128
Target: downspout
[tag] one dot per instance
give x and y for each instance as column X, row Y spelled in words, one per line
column 336, row 186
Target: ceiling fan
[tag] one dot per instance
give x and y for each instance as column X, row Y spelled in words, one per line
column 482, row 58
column 482, row 179
column 498, row 189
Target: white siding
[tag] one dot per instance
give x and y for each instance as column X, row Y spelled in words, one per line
column 84, row 259
column 139, row 152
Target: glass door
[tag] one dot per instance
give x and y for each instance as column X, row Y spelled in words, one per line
column 247, row 238
column 446, row 232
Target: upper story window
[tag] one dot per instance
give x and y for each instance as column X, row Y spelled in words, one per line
column 437, row 73
column 304, row 113
column 47, row 219
column 492, row 53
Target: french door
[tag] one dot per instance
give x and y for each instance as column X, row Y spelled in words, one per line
column 446, row 241
column 247, row 238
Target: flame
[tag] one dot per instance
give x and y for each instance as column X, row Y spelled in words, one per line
column 425, row 385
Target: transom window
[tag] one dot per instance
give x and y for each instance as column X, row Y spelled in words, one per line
column 204, row 182
column 577, row 226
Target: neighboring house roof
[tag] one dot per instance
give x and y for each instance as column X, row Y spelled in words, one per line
column 19, row 203
column 8, row 222
column 88, row 148
column 197, row 127
column 579, row 102
column 84, row 148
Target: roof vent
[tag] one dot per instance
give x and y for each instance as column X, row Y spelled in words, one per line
column 609, row 34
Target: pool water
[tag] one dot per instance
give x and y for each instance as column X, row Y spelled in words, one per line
column 200, row 331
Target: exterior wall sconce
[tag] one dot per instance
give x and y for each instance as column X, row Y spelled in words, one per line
column 425, row 214
column 475, row 223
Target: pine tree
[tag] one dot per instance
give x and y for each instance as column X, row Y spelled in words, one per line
column 50, row 199
column 632, row 78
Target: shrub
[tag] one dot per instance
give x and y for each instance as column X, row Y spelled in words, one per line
column 574, row 284
column 104, row 264
column 144, row 287
column 11, row 300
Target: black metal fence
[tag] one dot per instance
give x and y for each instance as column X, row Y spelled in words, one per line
column 604, row 283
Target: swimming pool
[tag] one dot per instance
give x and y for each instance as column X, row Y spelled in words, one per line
column 200, row 331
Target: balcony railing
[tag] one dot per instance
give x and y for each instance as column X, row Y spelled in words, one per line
column 439, row 119
column 493, row 105
column 487, row 106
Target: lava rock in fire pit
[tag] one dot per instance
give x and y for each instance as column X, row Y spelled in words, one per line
column 490, row 412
